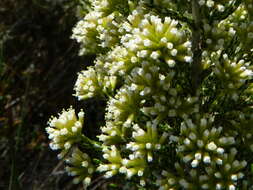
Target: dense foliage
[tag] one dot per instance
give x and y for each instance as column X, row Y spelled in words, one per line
column 177, row 79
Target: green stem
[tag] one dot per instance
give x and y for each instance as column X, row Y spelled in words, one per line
column 91, row 144
column 196, row 45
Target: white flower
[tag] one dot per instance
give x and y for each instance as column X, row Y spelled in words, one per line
column 212, row 146
column 65, row 130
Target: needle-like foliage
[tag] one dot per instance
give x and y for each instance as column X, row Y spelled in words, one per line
column 177, row 78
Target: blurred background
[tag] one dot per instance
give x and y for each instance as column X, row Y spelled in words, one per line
column 38, row 68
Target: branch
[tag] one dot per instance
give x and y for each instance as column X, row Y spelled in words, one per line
column 91, row 144
column 196, row 45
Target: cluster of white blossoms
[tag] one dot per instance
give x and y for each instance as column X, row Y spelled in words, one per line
column 146, row 142
column 86, row 33
column 80, row 166
column 179, row 110
column 65, row 130
column 98, row 30
column 219, row 33
column 233, row 73
column 129, row 166
column 91, row 83
column 203, row 145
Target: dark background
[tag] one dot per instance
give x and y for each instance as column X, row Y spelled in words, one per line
column 38, row 68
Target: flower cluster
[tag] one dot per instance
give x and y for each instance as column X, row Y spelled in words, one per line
column 80, row 165
column 177, row 78
column 91, row 83
column 65, row 130
column 86, row 33
column 130, row 167
column 202, row 143
column 146, row 142
column 99, row 28
column 232, row 73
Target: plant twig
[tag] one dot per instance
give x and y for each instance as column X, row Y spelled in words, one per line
column 91, row 144
column 196, row 46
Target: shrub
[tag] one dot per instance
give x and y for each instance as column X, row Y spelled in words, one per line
column 177, row 78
